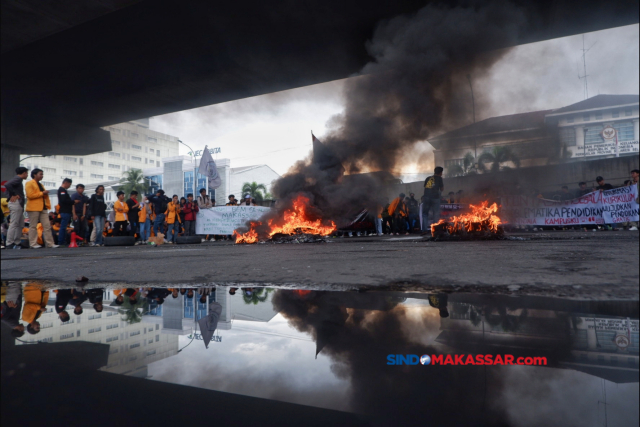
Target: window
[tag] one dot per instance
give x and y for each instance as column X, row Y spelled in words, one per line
column 114, row 130
column 568, row 137
column 136, row 345
column 112, row 166
column 134, row 135
column 151, row 150
column 94, row 163
column 95, row 316
column 48, row 184
column 625, row 133
column 151, row 139
column 70, row 159
column 136, row 147
column 81, row 161
column 134, row 333
column 112, row 326
column 92, row 330
column 628, row 111
column 80, row 174
column 598, row 115
column 66, row 336
column 615, row 113
column 157, row 164
column 70, row 173
column 113, row 178
column 45, row 325
column 157, row 338
column 114, row 142
column 93, row 175
column 111, row 339
column 570, row 119
column 150, row 353
column 586, row 117
column 157, row 326
column 110, row 313
column 137, row 159
column 112, row 351
column 157, row 153
column 112, row 154
column 143, row 127
column 49, row 170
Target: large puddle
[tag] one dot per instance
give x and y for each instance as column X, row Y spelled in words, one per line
column 390, row 358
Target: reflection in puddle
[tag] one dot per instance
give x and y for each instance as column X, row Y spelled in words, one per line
column 335, row 350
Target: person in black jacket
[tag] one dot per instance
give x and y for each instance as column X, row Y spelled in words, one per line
column 11, row 308
column 98, row 211
column 66, row 209
column 95, row 297
column 160, row 203
column 134, row 211
column 16, row 203
column 63, row 296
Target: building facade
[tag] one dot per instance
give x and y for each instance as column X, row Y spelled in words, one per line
column 538, row 138
column 134, row 146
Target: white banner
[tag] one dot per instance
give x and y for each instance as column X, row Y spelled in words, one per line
column 224, row 219
column 606, row 148
column 600, row 207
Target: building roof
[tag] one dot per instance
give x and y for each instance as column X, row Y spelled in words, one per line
column 500, row 124
column 598, row 101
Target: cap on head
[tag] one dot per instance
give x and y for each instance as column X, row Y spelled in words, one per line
column 247, row 196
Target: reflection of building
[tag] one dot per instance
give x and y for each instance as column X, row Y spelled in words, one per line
column 132, row 346
column 568, row 340
column 540, row 137
column 175, row 176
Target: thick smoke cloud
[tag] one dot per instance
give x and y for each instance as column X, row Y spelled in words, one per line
column 414, row 88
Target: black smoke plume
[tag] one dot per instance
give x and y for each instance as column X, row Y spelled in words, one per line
column 414, row 87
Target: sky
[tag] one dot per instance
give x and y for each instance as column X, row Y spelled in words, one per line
column 275, row 129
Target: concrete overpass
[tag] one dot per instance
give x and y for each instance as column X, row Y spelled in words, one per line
column 70, row 67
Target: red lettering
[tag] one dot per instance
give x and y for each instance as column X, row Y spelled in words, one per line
column 479, row 359
column 448, row 360
column 469, row 360
column 498, row 360
column 508, row 359
column 436, row 359
column 458, row 359
column 488, row 359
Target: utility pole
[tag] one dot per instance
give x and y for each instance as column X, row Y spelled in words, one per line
column 584, row 68
column 473, row 108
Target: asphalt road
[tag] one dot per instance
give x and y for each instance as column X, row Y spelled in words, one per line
column 602, row 264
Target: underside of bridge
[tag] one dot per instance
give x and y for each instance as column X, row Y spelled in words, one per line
column 70, row 67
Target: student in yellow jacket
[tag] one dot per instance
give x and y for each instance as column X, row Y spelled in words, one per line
column 144, row 219
column 172, row 219
column 121, row 209
column 38, row 205
column 35, row 303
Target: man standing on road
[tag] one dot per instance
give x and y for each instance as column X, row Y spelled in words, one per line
column 38, row 205
column 160, row 203
column 433, row 188
column 204, row 201
column 80, row 212
column 121, row 209
column 16, row 207
column 66, row 209
column 134, row 213
column 190, row 210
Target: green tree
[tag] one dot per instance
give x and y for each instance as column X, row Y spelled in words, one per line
column 254, row 190
column 467, row 167
column 259, row 295
column 496, row 159
column 133, row 179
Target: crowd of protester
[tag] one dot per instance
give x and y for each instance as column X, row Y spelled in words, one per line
column 87, row 221
column 22, row 305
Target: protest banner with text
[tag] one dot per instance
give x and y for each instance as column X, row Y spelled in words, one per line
column 224, row 219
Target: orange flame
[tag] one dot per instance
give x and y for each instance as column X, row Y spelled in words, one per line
column 481, row 217
column 296, row 221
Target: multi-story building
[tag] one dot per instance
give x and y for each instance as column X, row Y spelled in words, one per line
column 537, row 138
column 134, row 146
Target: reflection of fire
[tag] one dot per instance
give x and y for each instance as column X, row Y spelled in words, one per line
column 481, row 218
column 296, row 221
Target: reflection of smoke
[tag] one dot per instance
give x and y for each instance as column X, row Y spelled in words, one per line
column 358, row 341
column 407, row 93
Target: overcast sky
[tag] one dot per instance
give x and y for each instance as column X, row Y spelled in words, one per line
column 275, row 129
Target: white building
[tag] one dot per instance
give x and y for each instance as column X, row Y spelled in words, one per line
column 134, row 146
column 175, row 176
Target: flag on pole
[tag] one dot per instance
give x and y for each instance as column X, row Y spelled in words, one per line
column 208, row 168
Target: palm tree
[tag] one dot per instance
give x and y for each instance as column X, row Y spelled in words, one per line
column 257, row 296
column 133, row 179
column 496, row 158
column 467, row 167
column 254, row 190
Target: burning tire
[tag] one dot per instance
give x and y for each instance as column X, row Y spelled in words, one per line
column 120, row 241
column 188, row 240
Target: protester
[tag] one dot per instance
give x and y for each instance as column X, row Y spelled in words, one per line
column 602, row 185
column 183, row 202
column 66, row 209
column 16, row 207
column 38, row 205
column 398, row 212
column 634, row 181
column 144, row 219
column 433, row 187
column 121, row 209
column 451, row 198
column 204, row 201
column 190, row 210
column 582, row 189
column 379, row 214
column 159, row 202
column 80, row 211
column 413, row 208
column 387, row 219
column 78, row 297
column 11, row 309
column 97, row 208
column 63, row 296
column 133, row 215
column 95, row 297
column 565, row 194
column 232, row 200
column 248, row 201
column 35, row 303
column 172, row 220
